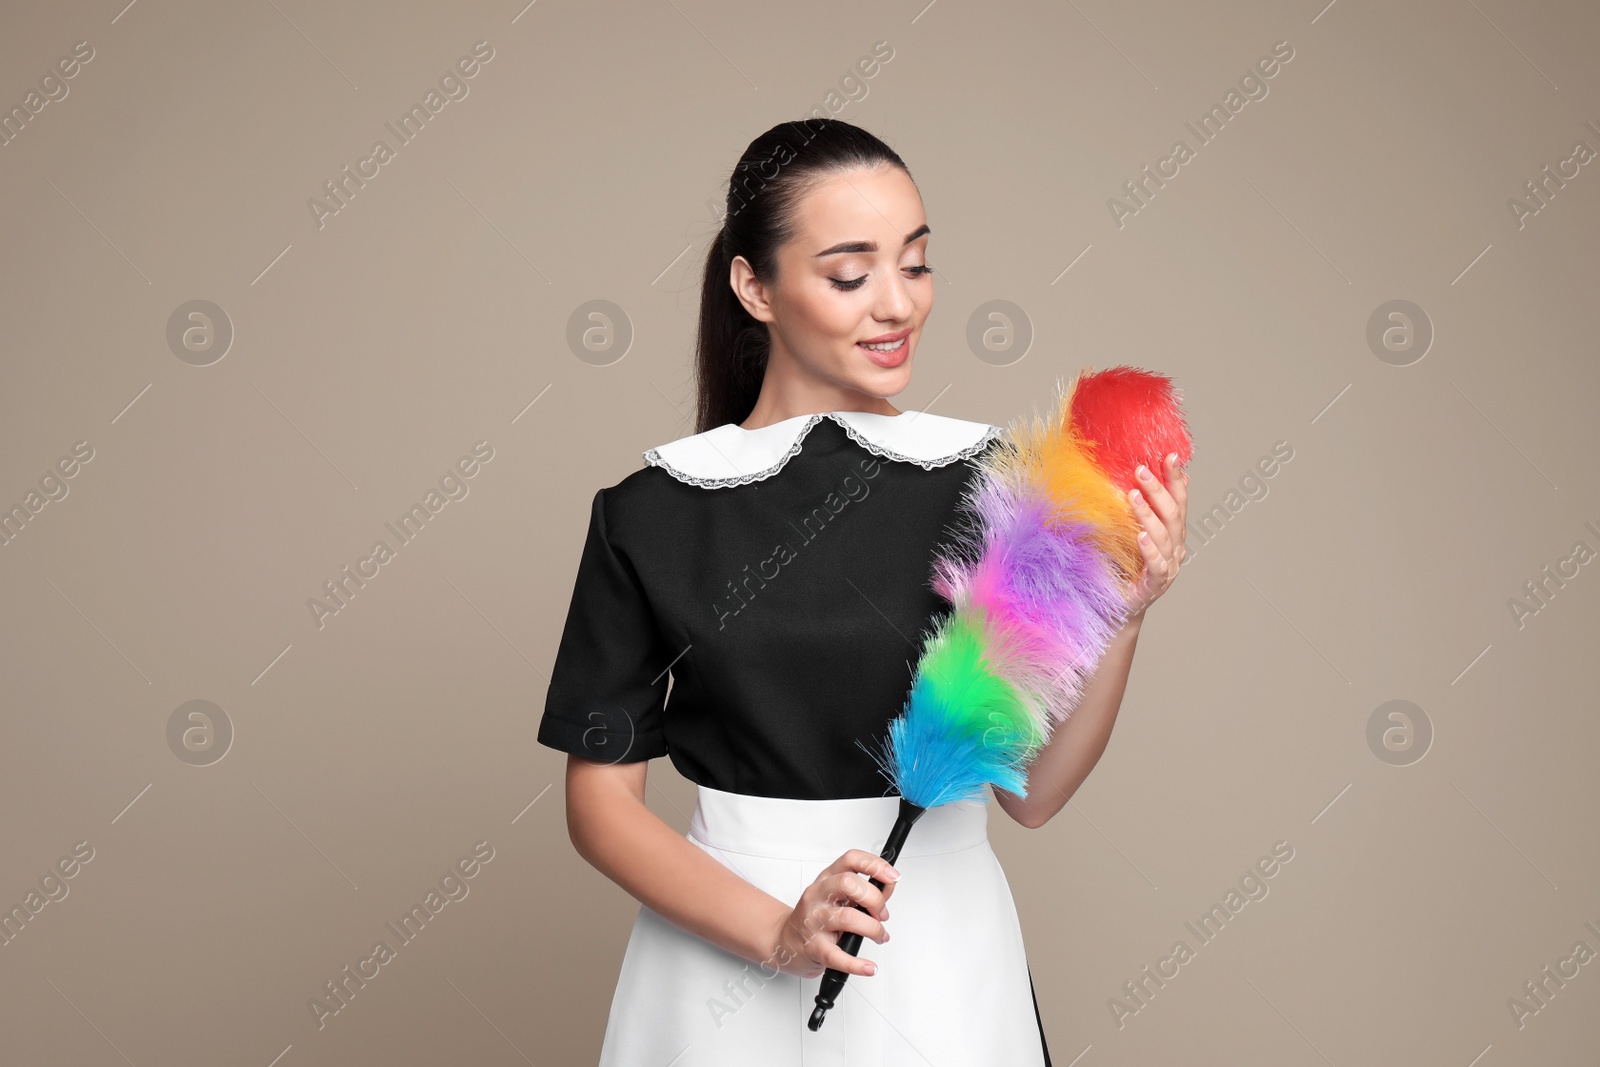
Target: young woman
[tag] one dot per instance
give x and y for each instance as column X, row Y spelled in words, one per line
column 775, row 565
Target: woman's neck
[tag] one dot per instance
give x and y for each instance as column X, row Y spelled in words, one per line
column 787, row 391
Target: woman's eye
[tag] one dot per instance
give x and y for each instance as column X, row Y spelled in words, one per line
column 850, row 284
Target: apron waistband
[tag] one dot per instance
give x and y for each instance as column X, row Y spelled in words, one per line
column 783, row 828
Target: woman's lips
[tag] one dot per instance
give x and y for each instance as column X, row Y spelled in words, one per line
column 890, row 357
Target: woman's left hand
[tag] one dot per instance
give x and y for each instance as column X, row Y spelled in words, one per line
column 1163, row 514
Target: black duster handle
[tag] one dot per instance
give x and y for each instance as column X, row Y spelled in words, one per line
column 832, row 980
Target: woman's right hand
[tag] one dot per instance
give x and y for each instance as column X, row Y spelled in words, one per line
column 808, row 940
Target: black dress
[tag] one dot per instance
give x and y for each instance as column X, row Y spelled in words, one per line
column 780, row 577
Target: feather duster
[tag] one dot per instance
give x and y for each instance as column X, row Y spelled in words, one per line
column 1037, row 573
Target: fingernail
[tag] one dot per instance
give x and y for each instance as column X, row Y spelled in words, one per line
column 892, row 874
column 1137, row 496
column 872, row 968
column 1172, row 457
column 1142, row 471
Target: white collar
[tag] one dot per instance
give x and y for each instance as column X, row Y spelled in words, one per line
column 732, row 455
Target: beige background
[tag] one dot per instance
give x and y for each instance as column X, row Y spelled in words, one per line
column 369, row 353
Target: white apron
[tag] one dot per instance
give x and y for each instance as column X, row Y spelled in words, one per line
column 952, row 985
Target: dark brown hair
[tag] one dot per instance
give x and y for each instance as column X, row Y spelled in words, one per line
column 775, row 172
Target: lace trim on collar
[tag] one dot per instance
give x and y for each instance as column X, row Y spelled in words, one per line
column 654, row 458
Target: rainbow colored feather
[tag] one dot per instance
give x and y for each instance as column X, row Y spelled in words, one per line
column 1044, row 553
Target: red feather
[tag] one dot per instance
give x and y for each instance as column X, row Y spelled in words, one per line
column 1130, row 416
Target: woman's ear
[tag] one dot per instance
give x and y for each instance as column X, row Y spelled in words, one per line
column 749, row 289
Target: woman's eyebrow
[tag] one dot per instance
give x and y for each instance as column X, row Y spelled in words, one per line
column 870, row 246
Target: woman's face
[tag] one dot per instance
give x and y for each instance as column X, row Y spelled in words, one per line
column 854, row 273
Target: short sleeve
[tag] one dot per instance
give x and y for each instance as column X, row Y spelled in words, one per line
column 608, row 686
